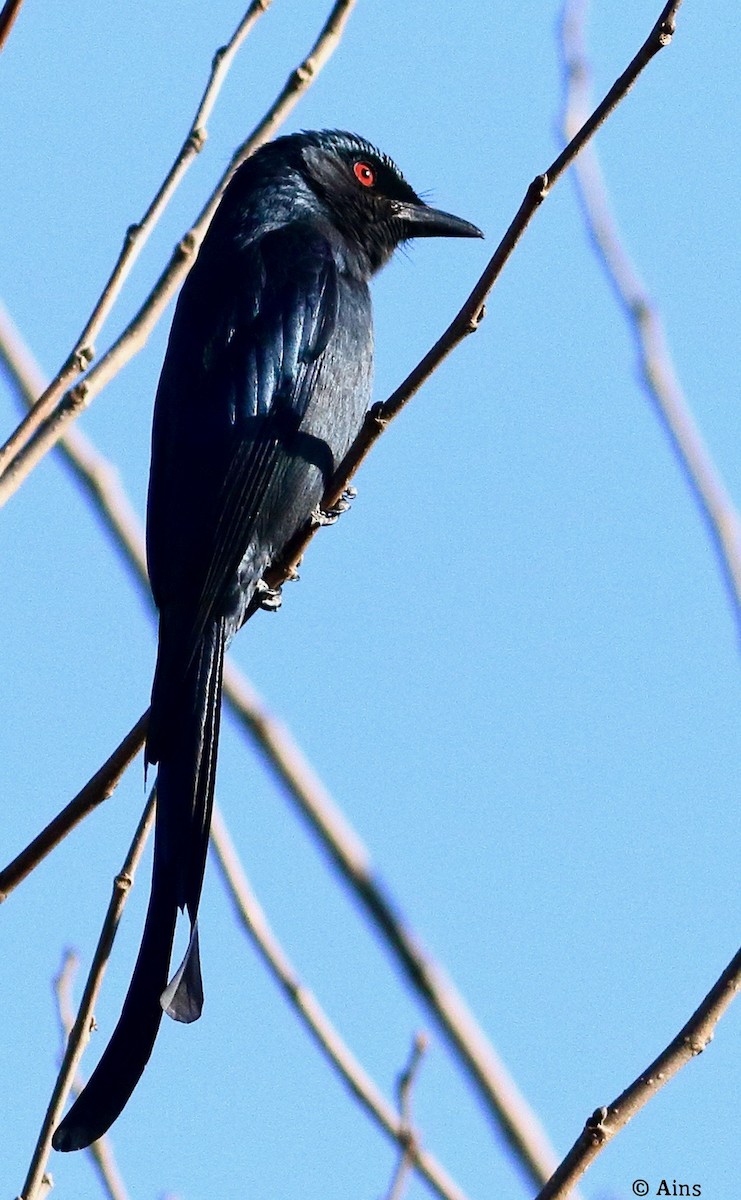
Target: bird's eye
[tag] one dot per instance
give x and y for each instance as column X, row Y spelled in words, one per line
column 364, row 174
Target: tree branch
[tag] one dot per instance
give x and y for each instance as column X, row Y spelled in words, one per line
column 472, row 312
column 10, row 11
column 506, row 1105
column 488, row 1073
column 602, row 1126
column 83, row 351
column 84, row 1023
column 313, row 1017
column 656, row 366
column 405, row 1087
column 496, row 1088
column 102, row 785
column 667, row 396
column 465, row 322
column 519, row 1124
column 101, row 1151
column 93, row 471
column 16, row 465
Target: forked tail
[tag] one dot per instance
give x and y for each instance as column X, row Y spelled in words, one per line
column 184, row 734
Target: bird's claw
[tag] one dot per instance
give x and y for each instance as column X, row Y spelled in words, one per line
column 328, row 516
column 268, row 598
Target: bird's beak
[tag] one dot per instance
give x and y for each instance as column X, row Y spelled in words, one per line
column 420, row 221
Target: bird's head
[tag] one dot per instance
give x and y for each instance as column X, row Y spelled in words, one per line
column 366, row 196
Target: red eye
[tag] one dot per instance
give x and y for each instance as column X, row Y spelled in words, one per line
column 364, row 173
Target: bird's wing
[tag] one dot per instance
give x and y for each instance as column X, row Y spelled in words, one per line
column 245, row 351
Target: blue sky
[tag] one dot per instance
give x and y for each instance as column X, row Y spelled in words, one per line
column 513, row 663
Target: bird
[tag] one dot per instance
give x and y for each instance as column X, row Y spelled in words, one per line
column 265, row 383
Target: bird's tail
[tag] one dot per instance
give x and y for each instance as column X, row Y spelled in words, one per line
column 184, row 732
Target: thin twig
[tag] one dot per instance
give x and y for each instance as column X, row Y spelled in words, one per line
column 507, row 1106
column 405, row 1088
column 102, row 785
column 83, row 351
column 313, row 1016
column 519, row 1125
column 656, row 366
column 666, row 393
column 345, row 849
column 96, row 473
column 603, row 1124
column 505, row 1103
column 470, row 315
column 84, row 1023
column 18, row 466
column 293, row 89
column 101, row 1151
column 10, row 11
column 408, row 1077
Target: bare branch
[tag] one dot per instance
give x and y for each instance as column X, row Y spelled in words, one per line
column 602, row 1126
column 10, row 11
column 101, row 1151
column 405, row 1087
column 284, row 757
column 96, row 473
column 470, row 315
column 83, row 351
column 100, row 479
column 514, row 1117
column 84, row 1023
column 408, row 1077
column 14, row 468
column 511, row 1112
column 98, row 788
column 519, row 1125
column 297, row 83
column 313, row 1016
column 666, row 393
column 657, row 369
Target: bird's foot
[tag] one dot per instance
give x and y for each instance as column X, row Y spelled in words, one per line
column 268, row 598
column 328, row 516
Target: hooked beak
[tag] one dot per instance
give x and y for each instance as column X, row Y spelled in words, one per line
column 420, row 221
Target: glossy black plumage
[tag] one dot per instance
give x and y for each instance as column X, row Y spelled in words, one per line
column 265, row 384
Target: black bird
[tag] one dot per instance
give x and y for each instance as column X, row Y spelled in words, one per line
column 265, row 384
